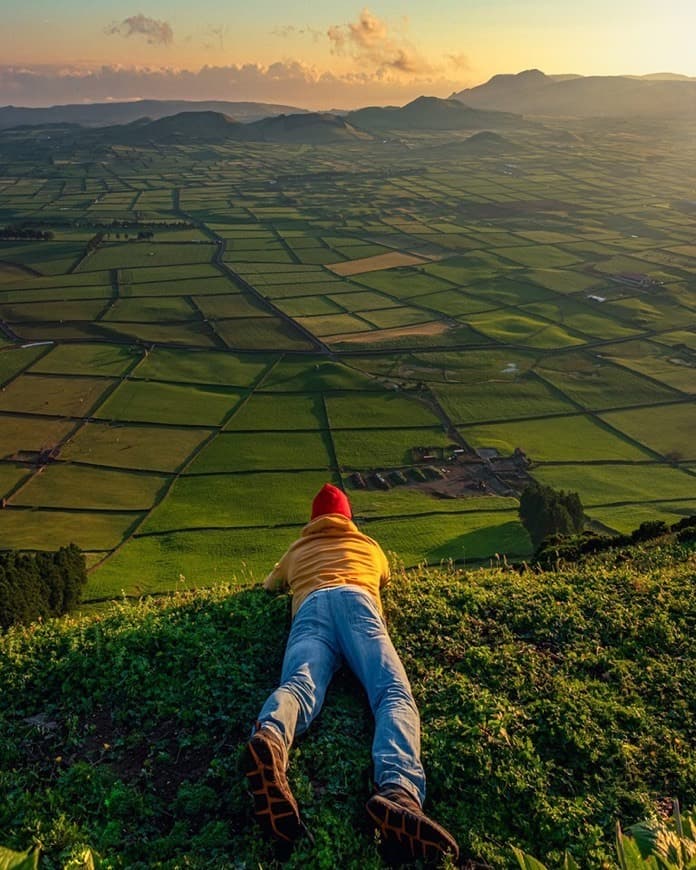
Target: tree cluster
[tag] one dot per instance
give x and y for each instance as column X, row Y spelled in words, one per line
column 545, row 511
column 14, row 232
column 40, row 584
column 94, row 243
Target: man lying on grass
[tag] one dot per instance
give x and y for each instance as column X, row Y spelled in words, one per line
column 335, row 573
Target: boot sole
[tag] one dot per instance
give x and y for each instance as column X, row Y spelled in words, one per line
column 415, row 836
column 274, row 807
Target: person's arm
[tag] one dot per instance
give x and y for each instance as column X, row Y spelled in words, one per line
column 384, row 568
column 277, row 580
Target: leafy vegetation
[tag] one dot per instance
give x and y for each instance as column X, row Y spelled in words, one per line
column 554, row 704
column 545, row 511
column 41, row 585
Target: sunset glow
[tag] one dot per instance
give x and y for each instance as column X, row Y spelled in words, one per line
column 334, row 55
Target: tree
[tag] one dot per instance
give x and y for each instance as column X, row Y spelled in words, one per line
column 545, row 511
column 39, row 585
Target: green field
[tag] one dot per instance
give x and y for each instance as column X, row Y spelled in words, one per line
column 87, row 487
column 667, row 429
column 87, row 359
column 559, row 439
column 133, row 446
column 65, row 396
column 257, row 451
column 153, row 402
column 222, row 355
column 237, row 501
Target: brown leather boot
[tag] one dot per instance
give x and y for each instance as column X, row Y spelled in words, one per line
column 275, row 806
column 403, row 824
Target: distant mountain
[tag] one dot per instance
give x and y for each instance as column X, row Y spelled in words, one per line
column 533, row 93
column 206, row 127
column 311, row 128
column 316, row 128
column 107, row 114
column 430, row 113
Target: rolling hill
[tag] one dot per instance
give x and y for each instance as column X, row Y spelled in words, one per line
column 533, row 93
column 318, row 128
column 431, row 113
column 553, row 704
column 107, row 114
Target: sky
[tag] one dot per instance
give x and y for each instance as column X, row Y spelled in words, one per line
column 333, row 54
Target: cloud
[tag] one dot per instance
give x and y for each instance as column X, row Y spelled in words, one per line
column 156, row 32
column 290, row 82
column 459, row 61
column 369, row 40
column 286, row 31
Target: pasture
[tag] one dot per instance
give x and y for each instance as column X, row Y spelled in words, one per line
column 172, row 403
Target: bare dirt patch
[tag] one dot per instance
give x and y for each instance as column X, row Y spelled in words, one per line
column 375, row 264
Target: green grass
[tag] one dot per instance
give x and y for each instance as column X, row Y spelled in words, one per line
column 317, row 374
column 405, row 501
column 149, row 448
column 29, row 433
column 236, row 501
column 260, row 451
column 566, row 439
column 657, row 362
column 596, row 383
column 514, row 328
column 392, row 317
column 538, row 256
column 192, row 405
column 154, row 273
column 87, row 359
column 465, row 537
column 667, row 429
column 49, row 530
column 132, row 255
column 47, row 258
column 261, row 333
column 201, row 557
column 308, row 306
column 525, row 683
column 203, row 367
column 628, row 517
column 562, row 280
column 69, row 396
column 232, row 305
column 161, row 308
column 38, row 312
column 500, row 399
column 383, row 410
column 203, row 286
column 75, row 486
column 454, row 303
column 334, row 324
column 606, row 484
column 10, row 475
column 403, row 283
column 364, row 449
column 193, row 333
column 15, row 359
column 278, row 413
column 580, row 317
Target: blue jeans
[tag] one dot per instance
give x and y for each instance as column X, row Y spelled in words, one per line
column 331, row 626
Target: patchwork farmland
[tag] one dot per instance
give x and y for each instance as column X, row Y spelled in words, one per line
column 211, row 333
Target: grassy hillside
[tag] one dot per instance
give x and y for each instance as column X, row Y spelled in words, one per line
column 553, row 704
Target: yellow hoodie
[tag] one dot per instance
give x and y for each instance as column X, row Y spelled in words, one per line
column 330, row 551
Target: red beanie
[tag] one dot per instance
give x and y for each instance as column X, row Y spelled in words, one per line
column 331, row 500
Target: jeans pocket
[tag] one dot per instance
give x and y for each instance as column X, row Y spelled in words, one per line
column 363, row 615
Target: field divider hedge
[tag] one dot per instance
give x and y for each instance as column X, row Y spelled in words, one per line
column 166, row 489
column 219, row 261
